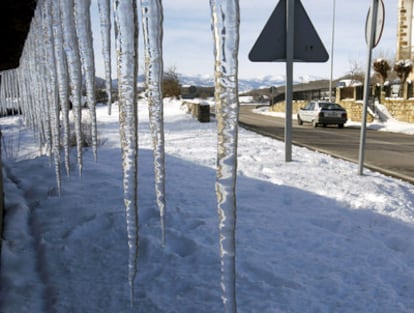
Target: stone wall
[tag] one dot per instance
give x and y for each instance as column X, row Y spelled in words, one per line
column 402, row 110
column 281, row 107
column 354, row 110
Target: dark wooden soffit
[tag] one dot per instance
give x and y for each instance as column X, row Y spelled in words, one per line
column 15, row 19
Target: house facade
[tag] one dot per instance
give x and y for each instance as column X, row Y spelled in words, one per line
column 405, row 34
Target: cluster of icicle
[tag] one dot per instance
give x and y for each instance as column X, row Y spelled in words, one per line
column 58, row 63
column 47, row 86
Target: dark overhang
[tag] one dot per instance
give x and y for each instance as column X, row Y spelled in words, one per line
column 15, row 19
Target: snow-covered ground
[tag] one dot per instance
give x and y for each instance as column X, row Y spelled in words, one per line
column 312, row 235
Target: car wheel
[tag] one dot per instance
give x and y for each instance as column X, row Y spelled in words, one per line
column 300, row 122
column 314, row 123
column 340, row 125
column 324, row 125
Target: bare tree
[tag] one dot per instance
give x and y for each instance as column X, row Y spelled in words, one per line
column 382, row 67
column 171, row 83
column 356, row 73
column 403, row 68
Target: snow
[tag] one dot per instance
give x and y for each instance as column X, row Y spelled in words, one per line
column 312, row 235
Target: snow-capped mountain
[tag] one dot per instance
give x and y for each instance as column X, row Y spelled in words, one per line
column 245, row 84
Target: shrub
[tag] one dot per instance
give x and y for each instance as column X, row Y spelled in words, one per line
column 171, row 84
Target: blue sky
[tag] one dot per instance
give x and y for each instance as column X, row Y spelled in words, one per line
column 188, row 42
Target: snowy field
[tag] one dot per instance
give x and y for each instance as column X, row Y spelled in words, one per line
column 312, row 235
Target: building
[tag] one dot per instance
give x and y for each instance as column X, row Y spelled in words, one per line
column 405, row 34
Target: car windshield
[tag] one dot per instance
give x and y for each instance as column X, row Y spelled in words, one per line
column 330, row 106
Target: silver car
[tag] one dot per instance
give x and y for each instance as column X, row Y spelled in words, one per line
column 322, row 113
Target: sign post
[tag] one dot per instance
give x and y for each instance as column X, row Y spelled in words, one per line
column 288, row 36
column 290, row 45
column 373, row 32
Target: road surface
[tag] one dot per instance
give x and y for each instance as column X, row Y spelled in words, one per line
column 389, row 153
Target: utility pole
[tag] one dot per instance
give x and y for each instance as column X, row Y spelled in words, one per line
column 372, row 37
column 332, row 50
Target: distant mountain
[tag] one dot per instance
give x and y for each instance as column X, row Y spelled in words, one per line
column 244, row 84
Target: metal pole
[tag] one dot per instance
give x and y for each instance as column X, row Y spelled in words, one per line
column 271, row 90
column 290, row 8
column 374, row 8
column 332, row 50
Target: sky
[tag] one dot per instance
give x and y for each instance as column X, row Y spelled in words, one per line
column 188, row 41
column 341, row 243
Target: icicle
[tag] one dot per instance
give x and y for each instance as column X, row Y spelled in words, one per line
column 4, row 89
column 3, row 107
column 225, row 20
column 152, row 17
column 105, row 21
column 62, row 77
column 52, row 89
column 126, row 30
column 74, row 69
column 7, row 89
column 14, row 91
column 30, row 81
column 24, row 104
column 41, row 72
column 30, row 75
column 84, row 32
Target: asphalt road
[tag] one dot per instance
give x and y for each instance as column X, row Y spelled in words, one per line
column 389, row 153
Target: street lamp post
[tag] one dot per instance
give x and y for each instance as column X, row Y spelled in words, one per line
column 332, row 50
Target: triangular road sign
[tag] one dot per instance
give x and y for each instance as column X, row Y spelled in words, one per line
column 271, row 44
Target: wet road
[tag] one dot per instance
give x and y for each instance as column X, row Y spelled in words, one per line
column 389, row 153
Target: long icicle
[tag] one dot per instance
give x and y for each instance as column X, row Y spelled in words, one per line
column 42, row 63
column 226, row 20
column 62, row 77
column 3, row 107
column 105, row 21
column 52, row 89
column 126, row 30
column 75, row 72
column 84, row 33
column 152, row 19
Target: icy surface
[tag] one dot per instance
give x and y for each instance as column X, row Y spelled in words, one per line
column 152, row 18
column 126, row 24
column 225, row 21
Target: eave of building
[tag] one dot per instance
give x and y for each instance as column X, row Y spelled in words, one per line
column 15, row 19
